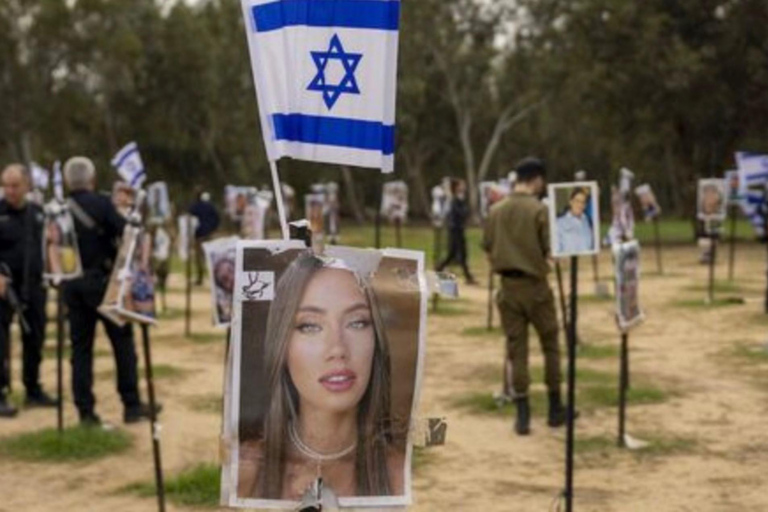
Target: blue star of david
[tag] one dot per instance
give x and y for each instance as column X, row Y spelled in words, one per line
column 348, row 84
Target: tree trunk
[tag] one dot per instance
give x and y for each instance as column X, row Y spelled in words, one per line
column 349, row 187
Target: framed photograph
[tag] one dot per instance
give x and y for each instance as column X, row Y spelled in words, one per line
column 440, row 203
column 394, row 201
column 237, row 200
column 187, row 225
column 648, row 202
column 627, row 265
column 158, row 203
column 492, row 192
column 326, row 365
column 220, row 258
column 61, row 255
column 253, row 221
column 712, row 202
column 736, row 189
column 574, row 219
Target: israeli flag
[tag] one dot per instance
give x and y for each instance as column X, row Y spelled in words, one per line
column 129, row 165
column 58, row 182
column 40, row 177
column 753, row 168
column 326, row 77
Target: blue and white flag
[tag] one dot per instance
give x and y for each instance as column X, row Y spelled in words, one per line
column 326, row 78
column 129, row 165
column 753, row 168
column 40, row 177
column 58, row 182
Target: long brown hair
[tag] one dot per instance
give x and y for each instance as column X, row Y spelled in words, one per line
column 373, row 415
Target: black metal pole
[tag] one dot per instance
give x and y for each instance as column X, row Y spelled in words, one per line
column 561, row 292
column 377, row 227
column 657, row 239
column 732, row 251
column 436, row 261
column 596, row 269
column 490, row 299
column 188, row 308
column 623, row 387
column 765, row 237
column 712, row 262
column 154, row 426
column 60, row 356
column 398, row 233
column 570, row 434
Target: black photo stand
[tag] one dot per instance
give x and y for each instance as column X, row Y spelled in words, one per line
column 188, row 291
column 570, row 420
column 60, row 357
column 153, row 425
column 623, row 388
column 657, row 244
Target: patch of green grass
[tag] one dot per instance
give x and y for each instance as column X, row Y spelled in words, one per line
column 448, row 309
column 159, row 371
column 719, row 287
column 171, row 314
column 485, row 404
column 658, row 446
column 422, row 457
column 589, row 351
column 74, row 444
column 196, row 487
column 752, row 354
column 208, row 337
column 595, row 299
column 594, row 444
column 608, row 396
column 206, row 403
column 482, row 331
column 702, row 304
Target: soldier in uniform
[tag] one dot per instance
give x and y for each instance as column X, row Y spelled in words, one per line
column 517, row 242
column 21, row 286
column 99, row 226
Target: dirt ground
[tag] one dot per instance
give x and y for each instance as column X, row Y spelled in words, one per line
column 709, row 441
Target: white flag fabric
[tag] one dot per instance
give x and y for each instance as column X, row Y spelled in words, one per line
column 753, row 168
column 129, row 165
column 58, row 182
column 326, row 77
column 40, row 177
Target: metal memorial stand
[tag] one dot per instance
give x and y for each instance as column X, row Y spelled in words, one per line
column 712, row 262
column 623, row 388
column 732, row 244
column 570, row 420
column 657, row 243
column 399, row 233
column 561, row 293
column 60, row 357
column 154, row 426
column 437, row 244
column 188, row 292
column 491, row 282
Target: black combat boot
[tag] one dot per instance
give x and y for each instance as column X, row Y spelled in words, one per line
column 523, row 421
column 6, row 409
column 557, row 412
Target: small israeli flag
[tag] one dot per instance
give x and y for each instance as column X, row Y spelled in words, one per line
column 326, row 76
column 40, row 177
column 58, row 182
column 753, row 168
column 129, row 165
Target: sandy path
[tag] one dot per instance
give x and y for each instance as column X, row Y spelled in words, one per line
column 717, row 406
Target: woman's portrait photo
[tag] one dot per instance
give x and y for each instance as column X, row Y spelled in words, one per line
column 574, row 219
column 158, row 203
column 61, row 254
column 220, row 257
column 712, row 200
column 326, row 357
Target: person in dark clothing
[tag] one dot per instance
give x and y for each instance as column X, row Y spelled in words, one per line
column 98, row 225
column 21, row 278
column 456, row 221
column 207, row 223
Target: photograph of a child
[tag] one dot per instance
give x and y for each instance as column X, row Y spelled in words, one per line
column 61, row 253
column 327, row 357
column 627, row 264
column 712, row 200
column 220, row 257
column 574, row 219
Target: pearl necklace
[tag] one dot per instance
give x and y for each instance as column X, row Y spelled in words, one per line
column 312, row 454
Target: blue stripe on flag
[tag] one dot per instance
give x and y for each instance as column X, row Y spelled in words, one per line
column 758, row 176
column 334, row 131
column 139, row 176
column 366, row 14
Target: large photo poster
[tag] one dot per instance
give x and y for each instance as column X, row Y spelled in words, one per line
column 712, row 200
column 61, row 254
column 327, row 355
column 648, row 202
column 158, row 203
column 220, row 257
column 574, row 219
column 627, row 258
column 394, row 202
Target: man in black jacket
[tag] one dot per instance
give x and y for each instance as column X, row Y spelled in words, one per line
column 207, row 223
column 99, row 226
column 456, row 221
column 21, row 285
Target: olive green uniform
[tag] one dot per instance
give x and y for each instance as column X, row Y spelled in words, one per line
column 517, row 242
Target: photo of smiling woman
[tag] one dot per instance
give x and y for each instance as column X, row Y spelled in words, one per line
column 327, row 373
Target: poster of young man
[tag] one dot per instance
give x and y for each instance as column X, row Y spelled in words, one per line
column 574, row 219
column 627, row 265
column 220, row 257
column 712, row 200
column 61, row 254
column 648, row 202
column 394, row 202
column 158, row 203
column 327, row 357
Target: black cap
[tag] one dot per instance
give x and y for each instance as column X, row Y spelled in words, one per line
column 530, row 168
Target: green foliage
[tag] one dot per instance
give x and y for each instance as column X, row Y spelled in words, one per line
column 74, row 444
column 195, row 487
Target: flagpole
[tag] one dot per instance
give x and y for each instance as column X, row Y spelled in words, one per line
column 279, row 199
